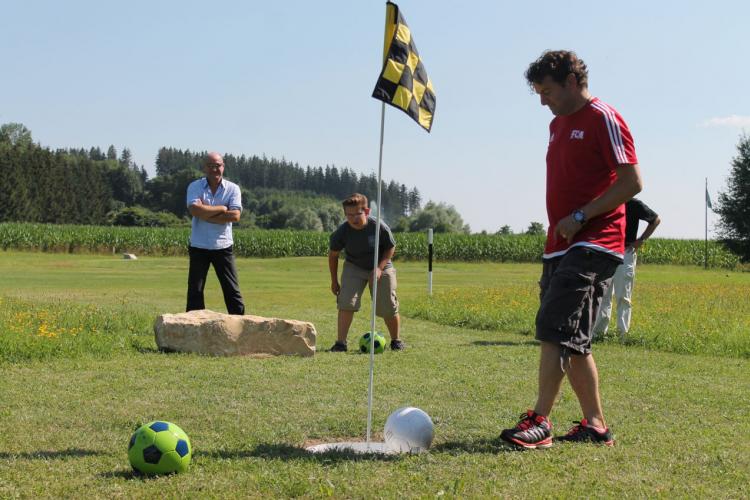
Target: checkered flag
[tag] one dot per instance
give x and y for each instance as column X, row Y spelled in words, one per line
column 403, row 82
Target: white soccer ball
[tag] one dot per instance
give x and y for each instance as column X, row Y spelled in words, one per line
column 408, row 430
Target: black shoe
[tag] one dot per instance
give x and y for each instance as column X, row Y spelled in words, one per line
column 582, row 432
column 397, row 345
column 532, row 431
column 338, row 347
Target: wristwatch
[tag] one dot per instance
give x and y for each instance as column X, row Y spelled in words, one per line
column 579, row 216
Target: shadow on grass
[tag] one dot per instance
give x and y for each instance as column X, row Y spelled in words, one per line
column 485, row 343
column 144, row 346
column 269, row 451
column 494, row 445
column 134, row 475
column 129, row 474
column 49, row 454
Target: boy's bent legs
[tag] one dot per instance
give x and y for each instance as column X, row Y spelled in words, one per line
column 584, row 379
column 226, row 271
column 199, row 262
column 353, row 282
column 344, row 322
column 394, row 325
column 387, row 302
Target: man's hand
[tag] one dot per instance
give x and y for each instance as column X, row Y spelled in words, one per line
column 627, row 185
column 567, row 228
column 335, row 287
column 637, row 244
column 378, row 273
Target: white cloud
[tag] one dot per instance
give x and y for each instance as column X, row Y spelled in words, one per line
column 728, row 121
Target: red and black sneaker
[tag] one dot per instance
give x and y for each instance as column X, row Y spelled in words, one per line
column 583, row 432
column 532, row 431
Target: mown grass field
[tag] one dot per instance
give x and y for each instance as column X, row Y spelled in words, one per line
column 80, row 371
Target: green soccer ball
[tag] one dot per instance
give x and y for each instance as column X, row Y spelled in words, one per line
column 159, row 448
column 364, row 343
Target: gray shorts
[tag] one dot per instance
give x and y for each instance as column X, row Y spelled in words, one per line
column 571, row 290
column 353, row 282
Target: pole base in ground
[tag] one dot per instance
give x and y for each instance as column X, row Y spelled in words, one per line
column 351, row 447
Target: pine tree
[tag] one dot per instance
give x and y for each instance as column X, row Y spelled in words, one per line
column 126, row 158
column 415, row 201
column 734, row 203
column 96, row 154
column 403, row 199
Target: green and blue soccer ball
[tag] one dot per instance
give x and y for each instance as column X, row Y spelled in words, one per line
column 159, row 448
column 364, row 343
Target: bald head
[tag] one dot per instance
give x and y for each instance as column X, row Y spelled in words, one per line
column 213, row 166
column 213, row 158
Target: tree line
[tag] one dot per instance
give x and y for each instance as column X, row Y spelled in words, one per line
column 91, row 186
column 261, row 173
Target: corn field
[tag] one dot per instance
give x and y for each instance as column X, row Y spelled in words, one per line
column 286, row 243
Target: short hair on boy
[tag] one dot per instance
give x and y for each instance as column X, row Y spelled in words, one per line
column 557, row 64
column 355, row 200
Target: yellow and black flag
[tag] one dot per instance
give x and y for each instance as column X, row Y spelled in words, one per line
column 404, row 83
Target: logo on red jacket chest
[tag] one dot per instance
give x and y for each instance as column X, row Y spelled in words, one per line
column 576, row 134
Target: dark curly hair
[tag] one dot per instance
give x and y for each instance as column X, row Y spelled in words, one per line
column 558, row 64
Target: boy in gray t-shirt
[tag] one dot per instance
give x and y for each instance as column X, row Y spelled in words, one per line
column 356, row 237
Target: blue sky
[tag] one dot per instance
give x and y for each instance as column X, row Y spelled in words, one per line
column 293, row 79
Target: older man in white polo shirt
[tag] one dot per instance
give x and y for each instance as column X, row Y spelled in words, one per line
column 215, row 203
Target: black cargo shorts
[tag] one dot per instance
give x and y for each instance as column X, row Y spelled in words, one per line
column 571, row 290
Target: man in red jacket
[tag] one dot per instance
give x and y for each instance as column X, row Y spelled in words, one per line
column 592, row 170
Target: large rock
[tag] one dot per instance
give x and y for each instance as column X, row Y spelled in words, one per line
column 209, row 332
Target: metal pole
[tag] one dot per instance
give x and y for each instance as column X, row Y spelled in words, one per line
column 374, row 281
column 429, row 265
column 705, row 202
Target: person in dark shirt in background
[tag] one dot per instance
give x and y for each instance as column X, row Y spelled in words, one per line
column 623, row 281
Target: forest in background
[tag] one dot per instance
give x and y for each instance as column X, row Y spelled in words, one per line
column 92, row 186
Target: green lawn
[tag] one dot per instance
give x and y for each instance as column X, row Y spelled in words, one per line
column 69, row 402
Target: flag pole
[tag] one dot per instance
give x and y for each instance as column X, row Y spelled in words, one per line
column 705, row 257
column 374, row 275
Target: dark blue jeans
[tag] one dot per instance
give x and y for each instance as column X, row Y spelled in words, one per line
column 226, row 271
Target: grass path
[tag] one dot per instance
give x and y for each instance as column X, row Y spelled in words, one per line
column 682, row 422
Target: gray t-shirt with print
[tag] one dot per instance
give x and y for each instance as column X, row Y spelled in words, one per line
column 359, row 244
